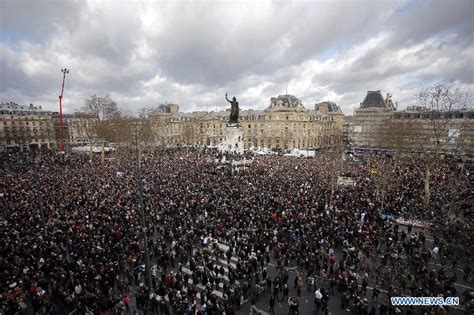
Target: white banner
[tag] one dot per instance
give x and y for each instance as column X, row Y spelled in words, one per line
column 345, row 181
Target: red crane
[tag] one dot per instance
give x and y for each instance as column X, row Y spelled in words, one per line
column 61, row 139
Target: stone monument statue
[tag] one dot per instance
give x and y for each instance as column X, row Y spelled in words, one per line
column 234, row 110
column 234, row 139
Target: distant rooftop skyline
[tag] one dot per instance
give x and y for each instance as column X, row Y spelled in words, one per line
column 146, row 53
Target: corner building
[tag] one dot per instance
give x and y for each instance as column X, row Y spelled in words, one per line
column 377, row 125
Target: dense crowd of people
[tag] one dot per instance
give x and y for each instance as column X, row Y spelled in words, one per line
column 221, row 234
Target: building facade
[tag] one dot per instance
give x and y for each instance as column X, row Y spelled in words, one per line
column 285, row 124
column 369, row 120
column 377, row 125
column 29, row 127
column 416, row 129
column 25, row 127
column 78, row 129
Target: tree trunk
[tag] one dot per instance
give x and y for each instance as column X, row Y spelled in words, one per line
column 103, row 150
column 383, row 201
column 427, row 185
column 90, row 153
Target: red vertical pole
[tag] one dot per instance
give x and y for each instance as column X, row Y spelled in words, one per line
column 61, row 142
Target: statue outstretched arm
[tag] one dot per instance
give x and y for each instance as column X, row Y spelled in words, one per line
column 227, row 98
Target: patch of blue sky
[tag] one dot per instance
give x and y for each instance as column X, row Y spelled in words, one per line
column 341, row 45
column 11, row 36
column 407, row 6
column 420, row 83
column 334, row 49
column 328, row 53
column 444, row 36
column 410, row 79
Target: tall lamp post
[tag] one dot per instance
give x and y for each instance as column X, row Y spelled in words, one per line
column 61, row 138
column 142, row 210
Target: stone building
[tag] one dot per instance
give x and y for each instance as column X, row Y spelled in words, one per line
column 369, row 119
column 77, row 129
column 30, row 127
column 377, row 125
column 416, row 129
column 285, row 124
column 24, row 127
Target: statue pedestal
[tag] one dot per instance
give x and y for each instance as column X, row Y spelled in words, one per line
column 234, row 141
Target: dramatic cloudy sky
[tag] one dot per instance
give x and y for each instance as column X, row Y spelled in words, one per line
column 145, row 53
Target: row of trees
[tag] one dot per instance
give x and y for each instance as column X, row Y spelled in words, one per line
column 108, row 123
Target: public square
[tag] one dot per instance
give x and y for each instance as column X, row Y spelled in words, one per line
column 224, row 238
column 221, row 157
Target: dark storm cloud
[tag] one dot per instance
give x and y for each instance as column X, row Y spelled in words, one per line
column 216, row 45
column 424, row 19
column 36, row 20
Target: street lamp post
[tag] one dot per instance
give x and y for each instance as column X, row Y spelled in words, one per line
column 61, row 138
column 145, row 238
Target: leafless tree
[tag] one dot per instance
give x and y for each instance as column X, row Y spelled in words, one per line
column 441, row 104
column 106, row 120
column 155, row 125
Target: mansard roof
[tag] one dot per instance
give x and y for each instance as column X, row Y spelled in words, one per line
column 373, row 99
column 286, row 101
